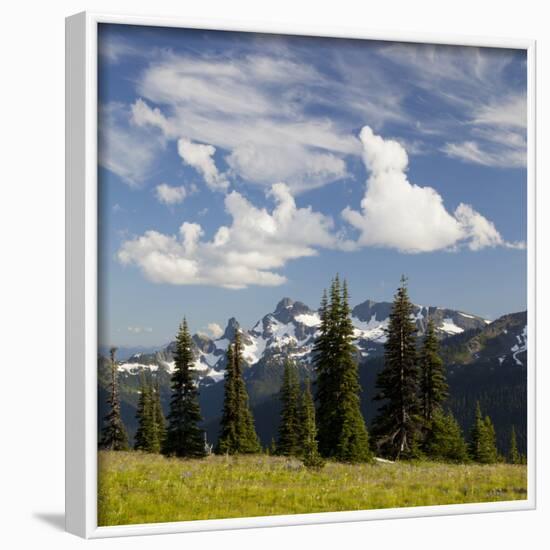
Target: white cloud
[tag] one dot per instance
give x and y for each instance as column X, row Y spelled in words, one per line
column 167, row 194
column 398, row 214
column 254, row 109
column 114, row 48
column 510, row 112
column 143, row 115
column 247, row 252
column 478, row 153
column 139, row 330
column 485, row 111
column 263, row 164
column 127, row 151
column 215, row 330
column 499, row 129
column 276, row 117
column 201, row 157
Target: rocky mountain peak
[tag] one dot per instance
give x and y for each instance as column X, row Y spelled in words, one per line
column 368, row 309
column 231, row 328
column 287, row 309
column 284, row 304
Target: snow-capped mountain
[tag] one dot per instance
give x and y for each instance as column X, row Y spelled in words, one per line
column 501, row 343
column 290, row 330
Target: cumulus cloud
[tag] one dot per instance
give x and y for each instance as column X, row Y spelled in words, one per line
column 250, row 251
column 398, row 214
column 215, row 330
column 201, row 157
column 167, row 194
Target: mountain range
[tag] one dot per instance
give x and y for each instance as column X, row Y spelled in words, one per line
column 485, row 361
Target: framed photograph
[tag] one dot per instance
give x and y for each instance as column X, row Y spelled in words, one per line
column 300, row 275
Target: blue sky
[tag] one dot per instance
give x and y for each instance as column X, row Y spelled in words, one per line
column 235, row 169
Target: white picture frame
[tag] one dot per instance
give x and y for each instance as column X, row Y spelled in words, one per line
column 81, row 278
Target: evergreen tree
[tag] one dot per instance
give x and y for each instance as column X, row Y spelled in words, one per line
column 353, row 441
column 483, row 439
column 308, row 439
column 159, row 419
column 514, row 457
column 489, row 453
column 184, row 438
column 237, row 431
column 342, row 431
column 476, row 433
column 147, row 437
column 272, row 449
column 325, row 386
column 288, row 443
column 227, row 440
column 445, row 441
column 433, row 385
column 114, row 436
column 397, row 425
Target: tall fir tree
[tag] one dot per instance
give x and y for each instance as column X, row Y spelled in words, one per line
column 342, row 432
column 114, row 436
column 433, row 380
column 325, row 394
column 184, row 437
column 353, row 440
column 147, row 436
column 445, row 442
column 288, row 442
column 483, row 439
column 490, row 453
column 237, row 431
column 397, row 425
column 227, row 440
column 476, row 434
column 160, row 421
column 308, row 435
column 513, row 454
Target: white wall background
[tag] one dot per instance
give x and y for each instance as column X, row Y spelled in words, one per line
column 32, row 269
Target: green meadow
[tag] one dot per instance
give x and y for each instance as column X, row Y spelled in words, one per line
column 136, row 487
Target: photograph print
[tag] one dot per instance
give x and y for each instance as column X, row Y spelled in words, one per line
column 312, row 274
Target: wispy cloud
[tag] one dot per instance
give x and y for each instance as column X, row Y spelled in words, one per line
column 115, row 48
column 124, row 149
column 292, row 115
column 483, row 109
column 139, row 330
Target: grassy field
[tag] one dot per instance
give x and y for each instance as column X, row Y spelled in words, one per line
column 141, row 488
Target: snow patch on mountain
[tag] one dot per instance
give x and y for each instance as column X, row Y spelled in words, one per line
column 370, row 330
column 450, row 326
column 133, row 368
column 309, row 319
column 521, row 345
column 466, row 315
column 253, row 352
